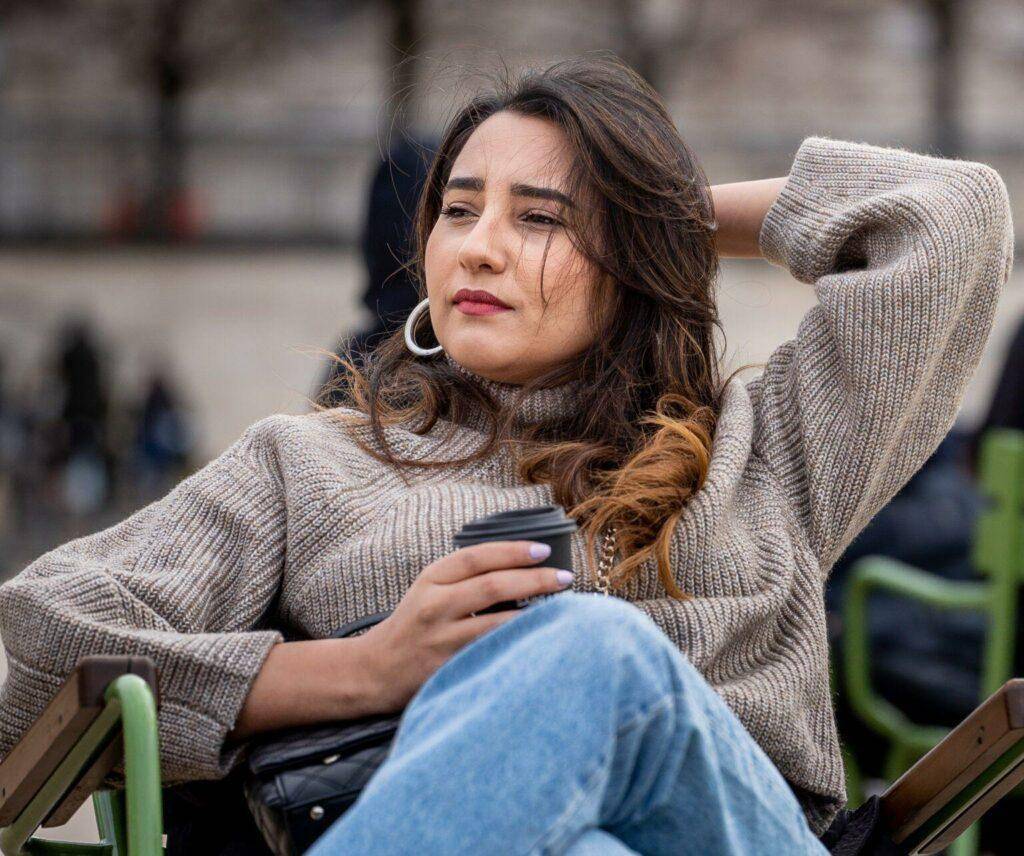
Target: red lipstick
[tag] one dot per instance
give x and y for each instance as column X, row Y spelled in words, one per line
column 478, row 302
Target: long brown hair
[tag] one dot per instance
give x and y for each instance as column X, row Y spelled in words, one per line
column 638, row 445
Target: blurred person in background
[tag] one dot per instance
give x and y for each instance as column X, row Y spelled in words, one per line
column 80, row 453
column 163, row 437
column 386, row 247
column 930, row 521
column 24, row 456
column 567, row 247
column 926, row 661
column 9, row 451
column 1006, row 409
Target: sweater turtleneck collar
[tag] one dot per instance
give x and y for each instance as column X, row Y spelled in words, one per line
column 539, row 405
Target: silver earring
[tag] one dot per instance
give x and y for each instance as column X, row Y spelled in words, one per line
column 410, row 323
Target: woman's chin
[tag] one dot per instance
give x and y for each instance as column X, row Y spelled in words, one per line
column 479, row 357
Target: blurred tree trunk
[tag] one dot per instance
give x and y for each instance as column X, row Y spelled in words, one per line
column 403, row 38
column 169, row 82
column 653, row 37
column 947, row 24
column 638, row 50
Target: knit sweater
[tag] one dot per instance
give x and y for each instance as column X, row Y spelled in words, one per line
column 294, row 526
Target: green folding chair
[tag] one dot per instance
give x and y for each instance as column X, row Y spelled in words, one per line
column 105, row 713
column 998, row 554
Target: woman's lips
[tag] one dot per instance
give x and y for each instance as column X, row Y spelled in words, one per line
column 471, row 307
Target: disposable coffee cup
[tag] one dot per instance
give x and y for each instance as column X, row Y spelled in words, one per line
column 546, row 524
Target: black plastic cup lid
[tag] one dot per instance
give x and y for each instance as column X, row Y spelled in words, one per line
column 526, row 522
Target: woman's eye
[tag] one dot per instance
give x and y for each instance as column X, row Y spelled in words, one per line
column 542, row 219
column 453, row 213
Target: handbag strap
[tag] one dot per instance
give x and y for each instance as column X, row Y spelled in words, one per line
column 359, row 624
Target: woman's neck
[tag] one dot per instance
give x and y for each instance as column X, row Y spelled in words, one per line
column 537, row 406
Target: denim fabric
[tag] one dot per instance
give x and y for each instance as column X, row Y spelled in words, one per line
column 578, row 728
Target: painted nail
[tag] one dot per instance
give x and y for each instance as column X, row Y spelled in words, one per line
column 539, row 551
column 564, row 577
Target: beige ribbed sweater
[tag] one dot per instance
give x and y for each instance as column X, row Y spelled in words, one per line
column 294, row 524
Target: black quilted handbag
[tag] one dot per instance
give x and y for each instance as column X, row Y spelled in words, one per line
column 301, row 780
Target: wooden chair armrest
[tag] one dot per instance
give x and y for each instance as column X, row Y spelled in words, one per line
column 63, row 721
column 972, row 768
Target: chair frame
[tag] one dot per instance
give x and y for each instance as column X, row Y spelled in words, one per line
column 998, row 554
column 129, row 821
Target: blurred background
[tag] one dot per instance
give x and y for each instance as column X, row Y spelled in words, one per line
column 197, row 197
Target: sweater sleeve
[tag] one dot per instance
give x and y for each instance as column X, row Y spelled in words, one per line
column 184, row 581
column 907, row 254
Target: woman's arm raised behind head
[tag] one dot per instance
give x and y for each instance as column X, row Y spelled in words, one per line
column 907, row 254
column 740, row 209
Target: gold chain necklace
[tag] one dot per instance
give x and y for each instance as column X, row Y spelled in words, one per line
column 605, row 565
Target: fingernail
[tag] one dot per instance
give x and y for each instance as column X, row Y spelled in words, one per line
column 564, row 577
column 539, row 551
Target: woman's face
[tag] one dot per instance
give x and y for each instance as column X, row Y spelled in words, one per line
column 503, row 208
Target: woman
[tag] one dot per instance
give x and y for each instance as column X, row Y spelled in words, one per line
column 692, row 711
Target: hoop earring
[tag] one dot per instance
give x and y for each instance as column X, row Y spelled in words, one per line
column 410, row 323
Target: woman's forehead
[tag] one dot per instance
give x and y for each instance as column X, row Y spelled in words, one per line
column 508, row 149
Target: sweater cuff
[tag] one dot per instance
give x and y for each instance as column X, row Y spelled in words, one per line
column 195, row 718
column 827, row 177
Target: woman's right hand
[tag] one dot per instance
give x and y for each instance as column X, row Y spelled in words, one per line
column 435, row 617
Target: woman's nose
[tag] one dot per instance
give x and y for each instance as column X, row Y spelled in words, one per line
column 482, row 248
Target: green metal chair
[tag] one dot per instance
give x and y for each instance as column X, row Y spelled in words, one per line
column 998, row 554
column 104, row 713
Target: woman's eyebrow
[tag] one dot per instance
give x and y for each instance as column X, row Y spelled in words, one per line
column 542, row 193
column 464, row 183
column 473, row 183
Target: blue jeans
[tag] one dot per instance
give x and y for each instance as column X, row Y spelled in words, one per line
column 577, row 727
